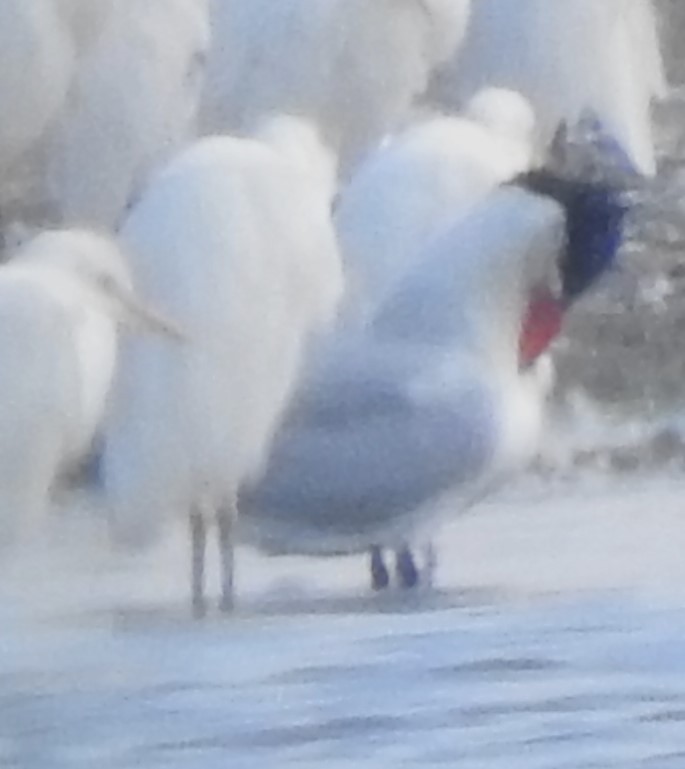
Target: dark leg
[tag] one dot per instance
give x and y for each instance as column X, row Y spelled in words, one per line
column 226, row 519
column 430, row 564
column 198, row 535
column 380, row 578
column 405, row 568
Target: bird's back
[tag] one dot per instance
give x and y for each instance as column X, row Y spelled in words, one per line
column 363, row 461
column 409, row 192
column 233, row 244
column 133, row 103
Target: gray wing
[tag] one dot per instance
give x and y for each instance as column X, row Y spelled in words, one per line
column 358, row 458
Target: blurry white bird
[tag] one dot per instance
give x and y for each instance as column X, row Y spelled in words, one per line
column 435, row 400
column 36, row 67
column 353, row 66
column 84, row 20
column 567, row 58
column 61, row 299
column 234, row 240
column 421, row 181
column 132, row 104
column 43, row 44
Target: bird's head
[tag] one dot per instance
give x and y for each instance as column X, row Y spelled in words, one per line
column 508, row 114
column 589, row 175
column 300, row 140
column 97, row 263
column 594, row 215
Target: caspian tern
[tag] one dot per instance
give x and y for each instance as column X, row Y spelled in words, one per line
column 439, row 399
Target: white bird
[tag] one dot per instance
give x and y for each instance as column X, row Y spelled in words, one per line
column 420, row 182
column 132, row 104
column 353, row 66
column 433, row 402
column 84, row 20
column 235, row 241
column 567, row 58
column 36, row 67
column 62, row 297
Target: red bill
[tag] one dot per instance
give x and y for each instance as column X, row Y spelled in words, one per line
column 541, row 324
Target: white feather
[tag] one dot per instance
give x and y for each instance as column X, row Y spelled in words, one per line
column 132, row 104
column 84, row 20
column 36, row 66
column 58, row 341
column 353, row 66
column 423, row 180
column 567, row 57
column 235, row 241
column 423, row 411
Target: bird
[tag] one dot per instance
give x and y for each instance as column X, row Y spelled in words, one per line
column 353, row 67
column 63, row 296
column 132, row 103
column 420, row 413
column 234, row 240
column 84, row 21
column 37, row 62
column 417, row 183
column 420, row 181
column 568, row 59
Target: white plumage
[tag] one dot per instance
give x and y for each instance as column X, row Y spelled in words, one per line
column 36, row 66
column 402, row 199
column 235, row 237
column 84, row 20
column 567, row 57
column 353, row 66
column 234, row 240
column 429, row 404
column 61, row 299
column 421, row 181
column 133, row 102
